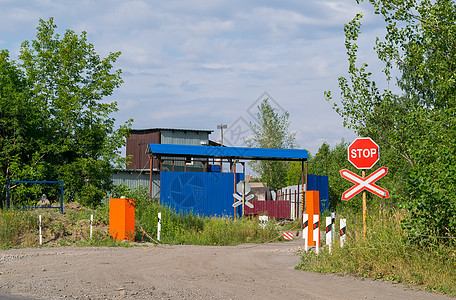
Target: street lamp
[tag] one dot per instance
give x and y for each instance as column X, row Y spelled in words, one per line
column 221, row 127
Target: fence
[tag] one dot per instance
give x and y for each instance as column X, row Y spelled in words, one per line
column 286, row 202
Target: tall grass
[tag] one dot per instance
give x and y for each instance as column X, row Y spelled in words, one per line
column 387, row 253
column 180, row 228
column 192, row 229
column 13, row 226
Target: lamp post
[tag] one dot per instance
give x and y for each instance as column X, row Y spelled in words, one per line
column 221, row 127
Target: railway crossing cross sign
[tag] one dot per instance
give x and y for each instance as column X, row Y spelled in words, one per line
column 242, row 189
column 362, row 184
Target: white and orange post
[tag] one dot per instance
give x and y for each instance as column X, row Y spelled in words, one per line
column 312, row 210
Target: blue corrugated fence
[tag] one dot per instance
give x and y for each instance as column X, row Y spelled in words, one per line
column 203, row 193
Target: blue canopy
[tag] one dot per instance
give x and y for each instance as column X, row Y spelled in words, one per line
column 227, row 152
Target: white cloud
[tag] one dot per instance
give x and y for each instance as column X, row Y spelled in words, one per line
column 195, row 63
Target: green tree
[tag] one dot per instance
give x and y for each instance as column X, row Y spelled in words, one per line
column 69, row 132
column 271, row 130
column 419, row 122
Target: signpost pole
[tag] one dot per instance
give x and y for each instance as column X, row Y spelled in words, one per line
column 364, row 206
column 243, row 197
column 363, row 153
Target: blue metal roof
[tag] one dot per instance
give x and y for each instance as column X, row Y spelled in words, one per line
column 227, row 152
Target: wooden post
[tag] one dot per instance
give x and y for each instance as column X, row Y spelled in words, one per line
column 364, row 206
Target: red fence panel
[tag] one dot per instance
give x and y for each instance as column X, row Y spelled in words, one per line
column 274, row 209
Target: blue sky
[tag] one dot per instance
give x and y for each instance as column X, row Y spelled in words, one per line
column 196, row 64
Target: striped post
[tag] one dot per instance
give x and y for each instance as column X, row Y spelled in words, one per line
column 159, row 226
column 305, row 230
column 41, row 236
column 329, row 232
column 333, row 227
column 91, row 225
column 316, row 231
column 343, row 229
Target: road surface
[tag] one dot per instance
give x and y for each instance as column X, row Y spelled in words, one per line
column 248, row 271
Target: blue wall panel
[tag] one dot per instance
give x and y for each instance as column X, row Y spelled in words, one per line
column 203, row 193
column 321, row 184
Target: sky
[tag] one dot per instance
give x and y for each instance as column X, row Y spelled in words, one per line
column 195, row 64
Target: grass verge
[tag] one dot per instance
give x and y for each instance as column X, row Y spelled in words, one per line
column 385, row 253
column 19, row 228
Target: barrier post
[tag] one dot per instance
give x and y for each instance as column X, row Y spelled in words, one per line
column 41, row 236
column 312, row 209
column 91, row 225
column 159, row 226
column 333, row 226
column 316, row 231
column 343, row 229
column 305, row 230
column 329, row 232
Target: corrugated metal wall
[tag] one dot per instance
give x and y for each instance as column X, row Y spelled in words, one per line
column 203, row 193
column 181, row 137
column 137, row 146
column 286, row 201
column 320, row 183
column 135, row 178
column 138, row 140
column 278, row 209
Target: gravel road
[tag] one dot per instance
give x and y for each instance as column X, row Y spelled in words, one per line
column 247, row 271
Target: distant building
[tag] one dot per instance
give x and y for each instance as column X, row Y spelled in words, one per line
column 137, row 171
column 139, row 138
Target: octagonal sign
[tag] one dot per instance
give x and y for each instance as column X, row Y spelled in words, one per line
column 363, row 153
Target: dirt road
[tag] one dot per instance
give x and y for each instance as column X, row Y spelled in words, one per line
column 181, row 272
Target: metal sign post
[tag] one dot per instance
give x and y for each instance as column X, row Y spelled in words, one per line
column 364, row 153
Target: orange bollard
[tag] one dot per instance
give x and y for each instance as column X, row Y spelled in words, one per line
column 312, row 208
column 122, row 219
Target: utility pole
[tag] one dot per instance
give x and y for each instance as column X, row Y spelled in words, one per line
column 221, row 127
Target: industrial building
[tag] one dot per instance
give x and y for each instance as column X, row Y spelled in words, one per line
column 137, row 170
column 182, row 169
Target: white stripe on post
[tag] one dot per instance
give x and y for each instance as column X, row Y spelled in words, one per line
column 316, row 231
column 305, row 230
column 343, row 229
column 333, row 226
column 328, row 232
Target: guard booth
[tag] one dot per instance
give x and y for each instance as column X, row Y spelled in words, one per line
column 208, row 192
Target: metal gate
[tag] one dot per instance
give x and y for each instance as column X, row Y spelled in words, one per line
column 202, row 193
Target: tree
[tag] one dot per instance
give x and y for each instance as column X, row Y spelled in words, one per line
column 271, row 131
column 419, row 122
column 68, row 132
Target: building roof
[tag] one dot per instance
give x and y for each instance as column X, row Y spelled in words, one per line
column 227, row 152
column 168, row 129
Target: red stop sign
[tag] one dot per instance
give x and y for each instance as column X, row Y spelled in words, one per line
column 363, row 153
